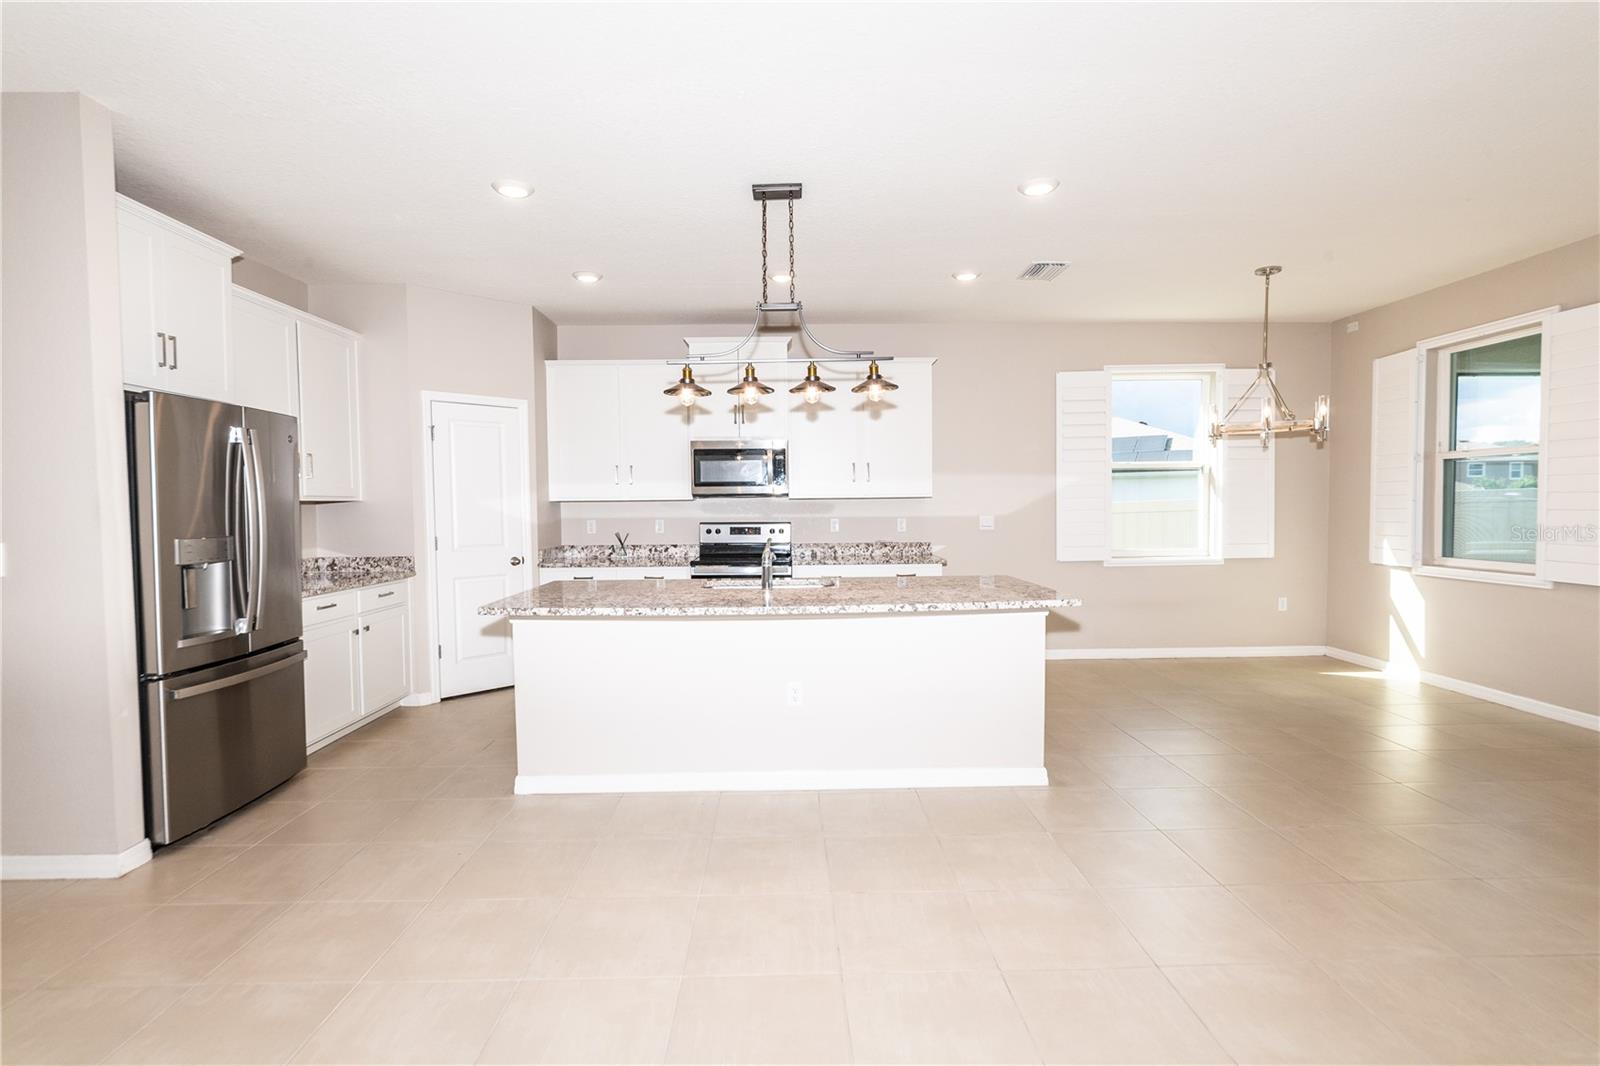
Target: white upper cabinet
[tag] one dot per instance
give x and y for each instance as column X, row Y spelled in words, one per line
column 719, row 416
column 175, row 285
column 613, row 435
column 848, row 447
column 330, row 437
column 265, row 353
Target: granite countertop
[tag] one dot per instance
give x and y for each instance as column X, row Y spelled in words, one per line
column 818, row 553
column 850, row 595
column 322, row 574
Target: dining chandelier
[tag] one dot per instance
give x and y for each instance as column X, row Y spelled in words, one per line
column 750, row 388
column 1276, row 415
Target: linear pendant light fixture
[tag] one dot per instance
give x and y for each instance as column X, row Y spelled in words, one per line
column 1276, row 415
column 750, row 389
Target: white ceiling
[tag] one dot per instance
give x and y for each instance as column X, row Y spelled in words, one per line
column 1373, row 150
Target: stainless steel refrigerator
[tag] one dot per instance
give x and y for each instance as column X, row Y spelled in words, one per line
column 217, row 564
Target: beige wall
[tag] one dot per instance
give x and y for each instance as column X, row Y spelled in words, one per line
column 994, row 454
column 1539, row 643
column 258, row 277
column 69, row 728
column 417, row 339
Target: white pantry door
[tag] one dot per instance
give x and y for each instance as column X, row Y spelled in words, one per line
column 480, row 521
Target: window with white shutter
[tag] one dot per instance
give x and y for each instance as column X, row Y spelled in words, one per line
column 1396, row 427
column 1569, row 503
column 1083, row 465
column 1138, row 480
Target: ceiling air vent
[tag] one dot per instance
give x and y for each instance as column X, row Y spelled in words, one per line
column 1046, row 270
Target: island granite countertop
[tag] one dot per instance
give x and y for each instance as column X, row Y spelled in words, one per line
column 848, row 596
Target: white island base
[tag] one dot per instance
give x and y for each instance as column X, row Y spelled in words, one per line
column 769, row 702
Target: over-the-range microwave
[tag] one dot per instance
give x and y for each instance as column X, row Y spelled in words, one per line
column 739, row 467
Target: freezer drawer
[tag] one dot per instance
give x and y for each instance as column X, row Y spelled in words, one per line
column 217, row 738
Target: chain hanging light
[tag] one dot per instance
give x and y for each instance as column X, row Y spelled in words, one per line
column 1276, row 415
column 750, row 389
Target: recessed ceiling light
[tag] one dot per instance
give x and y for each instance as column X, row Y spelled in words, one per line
column 1038, row 187
column 585, row 277
column 966, row 275
column 781, row 279
column 513, row 190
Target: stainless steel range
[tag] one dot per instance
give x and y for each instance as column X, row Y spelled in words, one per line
column 733, row 549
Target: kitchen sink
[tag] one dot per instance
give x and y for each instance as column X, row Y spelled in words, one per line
column 777, row 583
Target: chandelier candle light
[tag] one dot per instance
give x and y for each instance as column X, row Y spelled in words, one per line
column 1276, row 414
column 750, row 389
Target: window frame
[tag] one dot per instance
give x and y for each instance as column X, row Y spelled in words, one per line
column 1442, row 452
column 1204, row 461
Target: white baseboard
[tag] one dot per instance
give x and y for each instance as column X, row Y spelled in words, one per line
column 780, row 780
column 1257, row 652
column 419, row 699
column 73, row 867
column 1568, row 715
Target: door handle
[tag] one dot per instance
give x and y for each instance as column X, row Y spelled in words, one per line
column 162, row 337
column 516, row 560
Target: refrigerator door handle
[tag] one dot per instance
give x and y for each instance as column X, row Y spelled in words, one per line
column 238, row 524
column 258, row 534
column 247, row 549
column 236, row 679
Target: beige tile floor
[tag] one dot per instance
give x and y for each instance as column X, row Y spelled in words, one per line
column 1248, row 860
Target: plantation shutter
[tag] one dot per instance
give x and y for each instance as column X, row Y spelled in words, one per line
column 1392, row 537
column 1083, row 465
column 1245, row 481
column 1569, row 478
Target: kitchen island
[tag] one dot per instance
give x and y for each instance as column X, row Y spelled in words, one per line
column 689, row 685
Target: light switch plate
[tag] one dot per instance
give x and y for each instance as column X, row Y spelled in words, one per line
column 1283, row 603
column 986, row 521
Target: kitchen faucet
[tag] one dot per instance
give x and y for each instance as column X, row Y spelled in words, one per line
column 766, row 565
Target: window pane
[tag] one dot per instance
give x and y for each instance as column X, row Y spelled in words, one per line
column 1491, row 509
column 1155, row 419
column 1157, row 512
column 1496, row 390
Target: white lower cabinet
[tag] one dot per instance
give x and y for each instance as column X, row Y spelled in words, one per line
column 358, row 657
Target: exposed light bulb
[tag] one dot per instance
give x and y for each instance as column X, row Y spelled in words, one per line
column 874, row 392
column 686, row 398
column 751, row 394
column 1266, row 410
column 812, row 394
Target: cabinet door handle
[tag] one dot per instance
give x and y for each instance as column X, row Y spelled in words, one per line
column 174, row 364
column 616, row 474
column 630, row 473
column 381, row 595
column 852, row 471
column 325, row 606
column 162, row 337
column 365, row 629
column 869, row 471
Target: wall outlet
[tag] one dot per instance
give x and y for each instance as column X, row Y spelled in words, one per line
column 661, row 525
column 588, row 525
column 899, row 525
column 1352, row 327
column 986, row 521
column 833, row 525
column 796, row 695
column 1283, row 603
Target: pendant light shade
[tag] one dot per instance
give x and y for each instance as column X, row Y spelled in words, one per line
column 876, row 384
column 686, row 389
column 750, row 389
column 812, row 388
